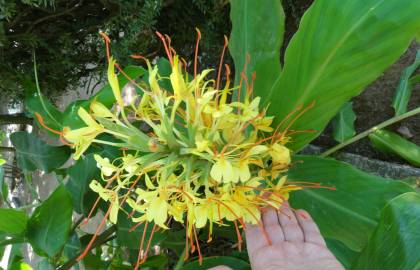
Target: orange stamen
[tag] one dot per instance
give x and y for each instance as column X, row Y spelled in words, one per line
column 267, row 238
column 298, row 108
column 219, row 73
column 200, row 257
column 168, row 52
column 148, row 244
column 310, row 106
column 100, row 227
column 238, row 234
column 42, row 123
column 196, row 51
column 132, row 229
column 107, row 42
column 140, row 254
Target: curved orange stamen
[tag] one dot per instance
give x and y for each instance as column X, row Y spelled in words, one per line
column 100, row 227
column 168, row 52
column 238, row 234
column 310, row 106
column 140, row 254
column 42, row 123
column 107, row 42
column 200, row 257
column 196, row 51
column 219, row 73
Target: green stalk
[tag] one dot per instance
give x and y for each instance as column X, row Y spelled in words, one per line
column 180, row 261
column 372, row 129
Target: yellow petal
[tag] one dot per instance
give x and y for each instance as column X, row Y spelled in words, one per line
column 200, row 213
column 113, row 82
column 158, row 211
column 113, row 215
column 85, row 116
column 98, row 109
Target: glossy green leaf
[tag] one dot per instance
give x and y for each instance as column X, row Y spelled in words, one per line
column 257, row 30
column 391, row 142
column 12, row 221
column 35, row 102
column 33, row 153
column 208, row 262
column 351, row 212
column 49, row 225
column 45, row 265
column 341, row 47
column 395, row 242
column 343, row 123
column 20, row 266
column 345, row 255
column 403, row 91
column 80, row 176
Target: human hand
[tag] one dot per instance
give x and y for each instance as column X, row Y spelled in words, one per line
column 296, row 243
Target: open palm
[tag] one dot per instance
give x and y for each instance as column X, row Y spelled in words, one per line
column 296, row 243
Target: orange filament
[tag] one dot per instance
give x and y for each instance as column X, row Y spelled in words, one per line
column 168, row 52
column 221, row 62
column 107, row 42
column 196, row 51
column 140, row 254
column 298, row 108
column 310, row 106
column 100, row 227
column 138, row 56
column 132, row 229
column 200, row 257
column 263, row 230
column 251, row 87
column 42, row 123
column 238, row 234
column 148, row 246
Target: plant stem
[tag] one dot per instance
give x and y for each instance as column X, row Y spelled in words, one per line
column 102, row 239
column 180, row 261
column 372, row 129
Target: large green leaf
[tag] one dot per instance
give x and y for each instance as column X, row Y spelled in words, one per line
column 80, row 175
column 343, row 123
column 403, row 92
column 395, row 242
column 390, row 142
column 208, row 262
column 345, row 255
column 257, row 30
column 12, row 221
column 341, row 46
column 49, row 225
column 351, row 212
column 33, row 153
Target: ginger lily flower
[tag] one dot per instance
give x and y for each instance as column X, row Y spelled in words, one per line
column 203, row 160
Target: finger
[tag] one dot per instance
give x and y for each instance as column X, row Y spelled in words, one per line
column 272, row 225
column 254, row 239
column 289, row 224
column 220, row 267
column 311, row 232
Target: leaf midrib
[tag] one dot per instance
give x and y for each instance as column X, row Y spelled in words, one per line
column 318, row 74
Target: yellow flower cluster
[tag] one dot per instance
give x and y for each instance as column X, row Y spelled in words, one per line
column 202, row 158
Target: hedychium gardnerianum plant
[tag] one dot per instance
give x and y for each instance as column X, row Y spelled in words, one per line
column 200, row 159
